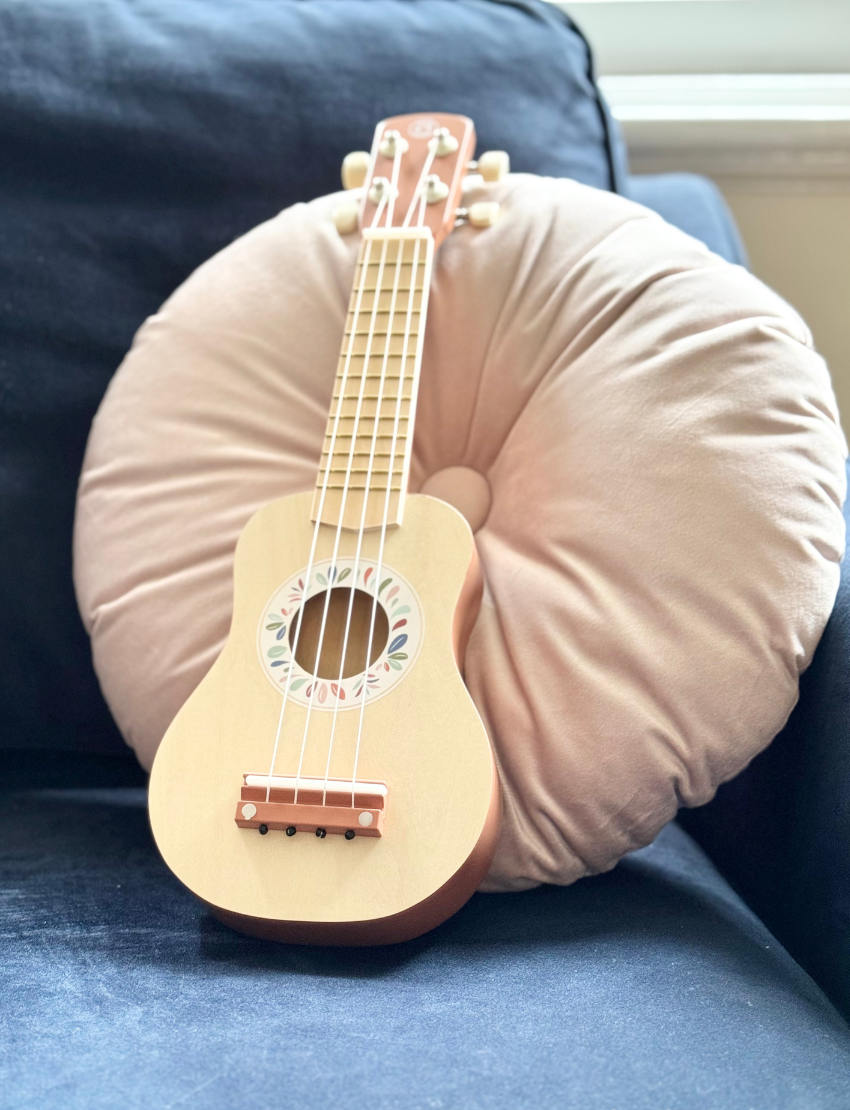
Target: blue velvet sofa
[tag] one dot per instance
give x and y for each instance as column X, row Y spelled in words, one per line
column 708, row 971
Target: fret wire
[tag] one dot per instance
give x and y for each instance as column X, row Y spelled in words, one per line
column 368, row 415
column 384, row 400
column 374, row 267
column 386, row 312
column 361, row 435
column 379, row 350
column 378, row 454
column 357, row 376
column 371, row 489
column 368, row 433
column 402, row 289
column 367, row 438
column 377, row 264
column 397, row 468
column 358, row 470
column 378, row 311
column 365, row 434
column 361, row 262
column 400, row 334
column 371, row 397
column 409, row 287
column 373, row 354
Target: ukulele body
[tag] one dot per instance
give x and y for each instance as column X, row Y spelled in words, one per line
column 421, row 736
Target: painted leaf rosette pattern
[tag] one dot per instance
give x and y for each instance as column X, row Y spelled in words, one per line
column 279, row 618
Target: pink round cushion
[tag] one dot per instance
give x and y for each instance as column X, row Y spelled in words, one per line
column 651, row 454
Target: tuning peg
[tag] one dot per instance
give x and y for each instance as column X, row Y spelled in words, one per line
column 355, row 166
column 392, row 143
column 493, row 165
column 345, row 217
column 435, row 190
column 381, row 187
column 484, row 213
column 443, row 142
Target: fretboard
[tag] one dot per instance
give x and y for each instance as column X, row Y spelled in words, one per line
column 365, row 459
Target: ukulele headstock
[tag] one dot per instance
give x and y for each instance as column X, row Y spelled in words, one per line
column 414, row 175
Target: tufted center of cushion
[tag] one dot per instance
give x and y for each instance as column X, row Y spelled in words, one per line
column 465, row 489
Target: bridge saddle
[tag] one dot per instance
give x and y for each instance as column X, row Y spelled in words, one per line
column 322, row 806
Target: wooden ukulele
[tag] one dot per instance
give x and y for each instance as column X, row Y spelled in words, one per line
column 330, row 780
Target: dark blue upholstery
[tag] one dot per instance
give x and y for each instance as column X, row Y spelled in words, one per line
column 652, row 988
column 781, row 830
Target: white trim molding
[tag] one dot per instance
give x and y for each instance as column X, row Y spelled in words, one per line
column 782, row 131
column 715, row 36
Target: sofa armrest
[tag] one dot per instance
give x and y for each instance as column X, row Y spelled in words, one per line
column 780, row 831
column 695, row 205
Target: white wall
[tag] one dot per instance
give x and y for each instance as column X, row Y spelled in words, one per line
column 799, row 243
column 755, row 94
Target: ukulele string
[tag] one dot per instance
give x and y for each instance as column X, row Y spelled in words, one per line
column 311, row 696
column 370, row 466
column 419, row 190
column 322, row 496
column 387, row 496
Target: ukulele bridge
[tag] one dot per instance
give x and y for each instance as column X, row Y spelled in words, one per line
column 322, row 806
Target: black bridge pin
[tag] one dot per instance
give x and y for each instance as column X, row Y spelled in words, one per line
column 321, row 833
column 291, row 830
column 349, row 834
column 263, row 830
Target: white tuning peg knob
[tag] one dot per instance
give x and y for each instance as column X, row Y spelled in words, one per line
column 392, row 143
column 443, row 142
column 345, row 217
column 381, row 188
column 493, row 165
column 355, row 166
column 435, row 189
column 484, row 213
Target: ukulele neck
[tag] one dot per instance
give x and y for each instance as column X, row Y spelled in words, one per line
column 365, row 461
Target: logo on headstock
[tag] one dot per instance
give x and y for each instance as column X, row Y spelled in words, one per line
column 423, row 127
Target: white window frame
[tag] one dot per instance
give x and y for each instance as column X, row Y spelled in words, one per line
column 752, row 90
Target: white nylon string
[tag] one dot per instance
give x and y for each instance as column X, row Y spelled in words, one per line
column 310, row 561
column 387, row 496
column 370, row 471
column 361, row 531
column 426, row 169
column 387, row 196
column 394, row 184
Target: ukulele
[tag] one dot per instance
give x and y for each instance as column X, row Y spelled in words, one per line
column 330, row 780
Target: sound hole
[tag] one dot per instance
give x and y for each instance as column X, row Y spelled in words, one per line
column 332, row 643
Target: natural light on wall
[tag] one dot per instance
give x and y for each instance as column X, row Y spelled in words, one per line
column 754, row 94
column 724, row 96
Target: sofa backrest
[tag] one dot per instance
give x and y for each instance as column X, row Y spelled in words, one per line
column 137, row 141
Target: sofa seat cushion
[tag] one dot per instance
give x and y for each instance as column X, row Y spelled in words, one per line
column 652, row 986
